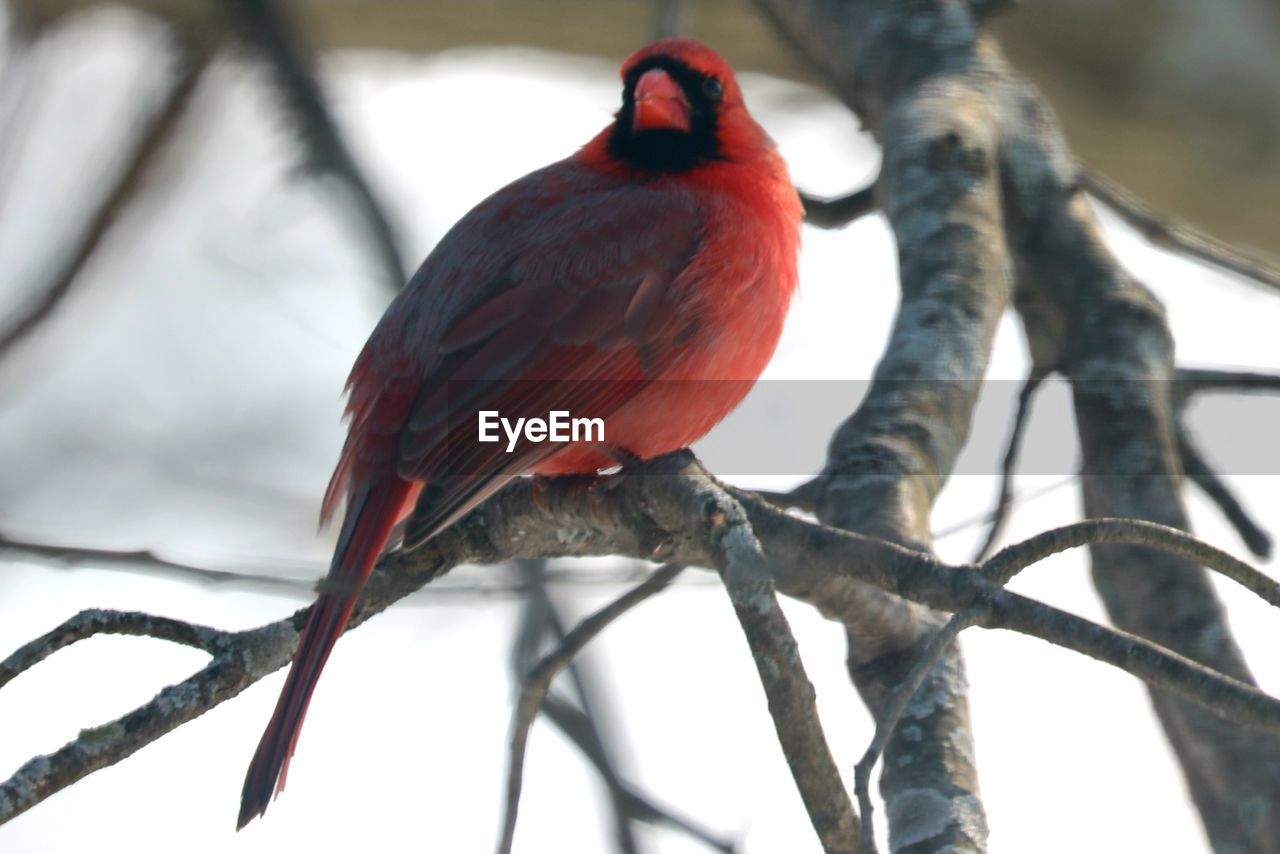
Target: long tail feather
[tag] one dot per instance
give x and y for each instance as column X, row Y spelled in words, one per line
column 372, row 513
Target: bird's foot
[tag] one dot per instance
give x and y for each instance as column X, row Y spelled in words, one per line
column 598, row 487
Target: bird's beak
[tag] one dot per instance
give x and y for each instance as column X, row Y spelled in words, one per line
column 660, row 103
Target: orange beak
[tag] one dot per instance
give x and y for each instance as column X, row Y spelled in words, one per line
column 660, row 103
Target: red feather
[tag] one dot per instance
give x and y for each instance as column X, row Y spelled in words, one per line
column 644, row 281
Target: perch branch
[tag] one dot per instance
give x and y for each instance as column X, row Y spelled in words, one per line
column 649, row 518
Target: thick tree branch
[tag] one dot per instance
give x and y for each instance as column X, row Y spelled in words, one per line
column 1114, row 346
column 912, row 74
column 655, row 518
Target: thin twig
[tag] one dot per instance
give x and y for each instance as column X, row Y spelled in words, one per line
column 1171, row 233
column 1008, row 562
column 989, row 516
column 581, row 730
column 1190, row 381
column 894, row 709
column 839, row 212
column 541, row 617
column 1203, row 476
column 538, row 682
column 159, row 129
column 266, row 27
column 96, row 621
column 152, row 563
column 1001, row 513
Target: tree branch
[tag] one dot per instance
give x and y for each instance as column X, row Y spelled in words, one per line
column 1174, row 234
column 538, row 682
column 662, row 518
column 264, row 27
column 1113, row 344
column 92, row 622
column 839, row 212
column 1202, row 475
column 158, row 130
column 790, row 695
column 1010, row 462
column 540, row 618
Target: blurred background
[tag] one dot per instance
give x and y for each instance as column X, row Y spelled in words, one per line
column 204, row 207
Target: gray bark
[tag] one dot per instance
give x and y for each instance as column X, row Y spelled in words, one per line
column 920, row 70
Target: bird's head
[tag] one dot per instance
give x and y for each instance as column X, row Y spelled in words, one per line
column 681, row 108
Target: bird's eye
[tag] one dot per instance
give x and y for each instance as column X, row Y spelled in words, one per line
column 713, row 89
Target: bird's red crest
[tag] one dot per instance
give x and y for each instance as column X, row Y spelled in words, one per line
column 692, row 53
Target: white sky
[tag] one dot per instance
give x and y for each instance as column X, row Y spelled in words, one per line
column 187, row 400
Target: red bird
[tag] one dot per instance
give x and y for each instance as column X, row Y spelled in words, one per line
column 643, row 281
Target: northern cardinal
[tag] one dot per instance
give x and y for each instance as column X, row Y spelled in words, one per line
column 643, row 281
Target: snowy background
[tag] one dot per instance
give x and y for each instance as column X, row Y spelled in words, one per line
column 186, row 400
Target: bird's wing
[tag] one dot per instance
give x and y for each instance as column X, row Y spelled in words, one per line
column 547, row 298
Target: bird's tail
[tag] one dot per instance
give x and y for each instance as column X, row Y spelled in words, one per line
column 371, row 515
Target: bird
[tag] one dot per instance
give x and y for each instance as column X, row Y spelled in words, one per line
column 644, row 281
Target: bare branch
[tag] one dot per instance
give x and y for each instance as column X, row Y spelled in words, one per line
column 264, row 26
column 1188, row 383
column 540, row 617
column 790, row 695
column 988, row 517
column 837, row 213
column 1192, row 381
column 158, row 131
column 1170, row 233
column 92, row 622
column 1094, row 532
column 1115, row 347
column 657, row 518
column 152, row 562
column 1003, row 503
column 894, row 709
column 538, row 682
column 1203, row 476
column 634, row 805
